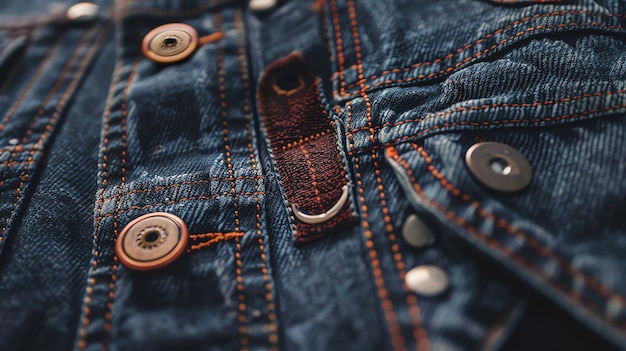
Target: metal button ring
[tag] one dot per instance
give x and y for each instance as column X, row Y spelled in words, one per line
column 82, row 11
column 169, row 43
column 152, row 241
column 499, row 166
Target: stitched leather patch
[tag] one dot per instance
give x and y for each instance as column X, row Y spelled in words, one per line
column 305, row 147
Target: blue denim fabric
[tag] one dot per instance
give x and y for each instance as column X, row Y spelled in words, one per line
column 94, row 135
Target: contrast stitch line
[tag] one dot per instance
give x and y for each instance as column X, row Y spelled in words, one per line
column 33, row 79
column 82, row 343
column 215, row 238
column 397, row 339
column 419, row 333
column 55, row 115
column 305, row 140
column 123, row 151
column 271, row 308
column 574, row 297
column 529, row 122
column 175, row 185
column 242, row 306
column 185, row 199
column 57, row 85
column 479, row 41
column 338, row 44
column 312, row 172
column 448, row 113
column 533, row 243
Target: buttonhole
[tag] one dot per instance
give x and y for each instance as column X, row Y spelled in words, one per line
column 500, row 166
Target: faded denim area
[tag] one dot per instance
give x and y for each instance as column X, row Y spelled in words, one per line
column 94, row 135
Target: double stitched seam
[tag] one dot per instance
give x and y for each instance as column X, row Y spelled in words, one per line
column 483, row 124
column 82, row 342
column 212, row 238
column 33, row 79
column 185, row 199
column 419, row 333
column 493, row 106
column 395, row 332
column 271, row 314
column 242, row 317
column 573, row 296
column 123, row 151
column 55, row 115
column 175, row 185
column 460, row 50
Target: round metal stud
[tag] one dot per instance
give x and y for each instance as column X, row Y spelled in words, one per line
column 427, row 281
column 417, row 233
column 169, row 43
column 499, row 166
column 82, row 11
column 262, row 5
column 151, row 241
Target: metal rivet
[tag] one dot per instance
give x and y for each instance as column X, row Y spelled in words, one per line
column 169, row 43
column 262, row 5
column 14, row 141
column 428, row 281
column 152, row 241
column 417, row 233
column 499, row 166
column 82, row 11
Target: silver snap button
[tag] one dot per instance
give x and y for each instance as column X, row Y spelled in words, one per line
column 170, row 43
column 428, row 281
column 152, row 241
column 499, row 166
column 417, row 233
column 262, row 5
column 82, row 11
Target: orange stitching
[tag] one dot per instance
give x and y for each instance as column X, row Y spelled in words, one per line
column 212, row 235
column 216, row 239
column 574, row 297
column 189, row 182
column 123, row 151
column 397, row 339
column 271, row 309
column 419, row 333
column 185, row 199
column 490, row 123
column 54, row 117
column 535, row 244
column 313, row 178
column 32, row 81
column 338, row 43
column 211, row 38
column 479, row 41
column 82, row 343
column 305, row 140
column 483, row 107
column 242, row 317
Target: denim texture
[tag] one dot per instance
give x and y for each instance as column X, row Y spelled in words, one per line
column 94, row 135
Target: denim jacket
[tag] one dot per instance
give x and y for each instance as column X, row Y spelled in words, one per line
column 298, row 142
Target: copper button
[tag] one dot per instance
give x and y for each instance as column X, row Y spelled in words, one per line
column 152, row 241
column 499, row 166
column 170, row 43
